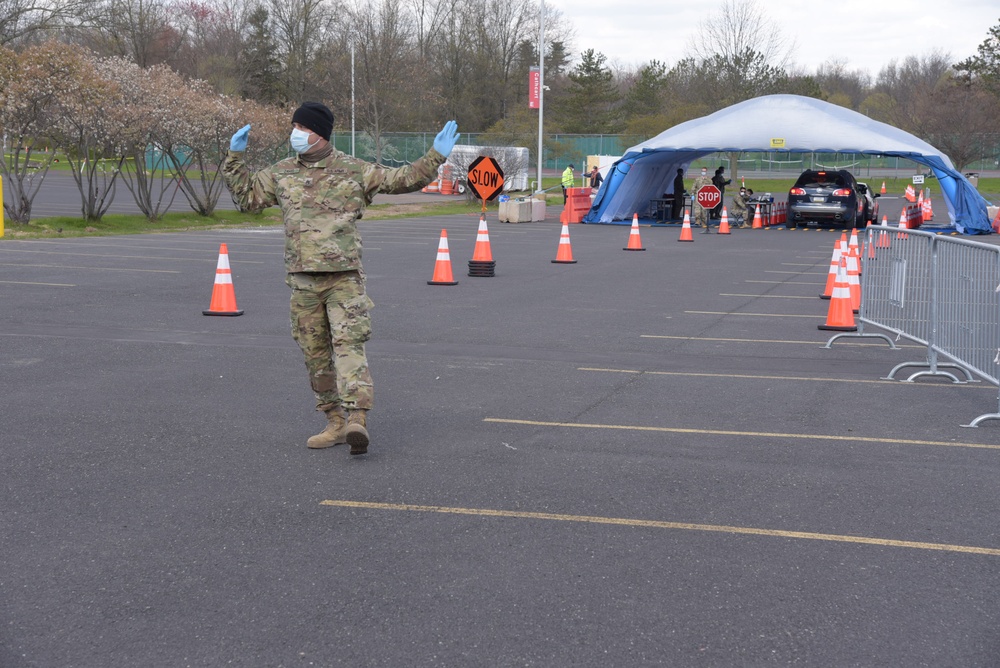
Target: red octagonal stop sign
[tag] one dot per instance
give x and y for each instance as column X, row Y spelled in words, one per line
column 709, row 196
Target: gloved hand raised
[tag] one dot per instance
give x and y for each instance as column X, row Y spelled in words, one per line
column 447, row 138
column 239, row 140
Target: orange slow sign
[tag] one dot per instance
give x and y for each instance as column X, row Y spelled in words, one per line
column 485, row 177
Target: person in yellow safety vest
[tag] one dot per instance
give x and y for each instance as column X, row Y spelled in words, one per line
column 567, row 181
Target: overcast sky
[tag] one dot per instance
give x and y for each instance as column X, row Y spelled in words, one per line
column 867, row 34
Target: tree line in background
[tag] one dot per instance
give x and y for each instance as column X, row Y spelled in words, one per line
column 110, row 78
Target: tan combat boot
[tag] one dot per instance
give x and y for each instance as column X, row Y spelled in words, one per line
column 333, row 434
column 357, row 434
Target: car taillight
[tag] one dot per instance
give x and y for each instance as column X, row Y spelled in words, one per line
column 797, row 191
column 842, row 192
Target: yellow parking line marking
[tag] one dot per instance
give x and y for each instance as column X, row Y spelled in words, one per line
column 54, row 285
column 727, row 294
column 763, row 315
column 63, row 266
column 658, row 524
column 744, row 434
column 810, row 343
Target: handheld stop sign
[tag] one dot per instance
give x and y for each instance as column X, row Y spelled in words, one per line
column 708, row 196
column 485, row 178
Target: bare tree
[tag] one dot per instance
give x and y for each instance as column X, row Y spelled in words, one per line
column 385, row 67
column 213, row 41
column 737, row 54
column 428, row 19
column 739, row 27
column 300, row 28
column 20, row 19
column 140, row 30
column 903, row 85
column 960, row 119
column 842, row 86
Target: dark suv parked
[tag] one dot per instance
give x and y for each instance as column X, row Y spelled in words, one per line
column 830, row 197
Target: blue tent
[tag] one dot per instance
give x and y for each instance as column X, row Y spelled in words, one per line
column 795, row 124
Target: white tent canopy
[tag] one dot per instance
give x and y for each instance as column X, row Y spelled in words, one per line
column 788, row 123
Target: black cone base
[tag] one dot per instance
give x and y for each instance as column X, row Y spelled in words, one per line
column 482, row 268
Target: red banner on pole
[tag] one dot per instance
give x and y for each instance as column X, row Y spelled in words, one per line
column 534, row 88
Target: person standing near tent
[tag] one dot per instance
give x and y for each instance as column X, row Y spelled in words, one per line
column 720, row 182
column 677, row 210
column 595, row 178
column 322, row 193
column 567, row 181
column 700, row 212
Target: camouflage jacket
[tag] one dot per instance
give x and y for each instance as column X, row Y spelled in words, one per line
column 321, row 202
column 700, row 183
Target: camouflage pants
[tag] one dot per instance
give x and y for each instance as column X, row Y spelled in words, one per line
column 700, row 214
column 330, row 322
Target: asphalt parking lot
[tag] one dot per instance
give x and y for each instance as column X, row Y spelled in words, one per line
column 643, row 458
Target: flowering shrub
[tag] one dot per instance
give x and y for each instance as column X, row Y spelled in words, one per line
column 153, row 130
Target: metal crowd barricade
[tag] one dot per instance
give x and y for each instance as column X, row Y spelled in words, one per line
column 937, row 291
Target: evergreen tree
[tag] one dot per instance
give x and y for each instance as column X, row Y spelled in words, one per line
column 984, row 67
column 262, row 79
column 593, row 103
column 645, row 97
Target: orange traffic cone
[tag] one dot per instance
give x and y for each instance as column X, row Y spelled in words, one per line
column 724, row 222
column 686, row 228
column 840, row 315
column 883, row 237
column 442, row 267
column 634, row 242
column 927, row 212
column 564, row 254
column 855, row 246
column 482, row 264
column 758, row 224
column 482, row 253
column 910, row 194
column 831, row 277
column 854, row 278
column 903, row 217
column 883, row 187
column 223, row 295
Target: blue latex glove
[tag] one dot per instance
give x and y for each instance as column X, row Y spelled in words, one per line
column 239, row 140
column 447, row 138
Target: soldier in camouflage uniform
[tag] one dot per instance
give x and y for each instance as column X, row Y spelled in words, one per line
column 700, row 212
column 322, row 193
column 740, row 208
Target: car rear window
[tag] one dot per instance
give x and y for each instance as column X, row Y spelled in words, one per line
column 832, row 180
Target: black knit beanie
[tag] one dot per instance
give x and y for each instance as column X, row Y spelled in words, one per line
column 315, row 116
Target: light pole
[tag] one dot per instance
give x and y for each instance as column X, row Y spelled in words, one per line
column 352, row 99
column 541, row 86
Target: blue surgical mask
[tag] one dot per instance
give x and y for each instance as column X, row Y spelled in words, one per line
column 300, row 141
